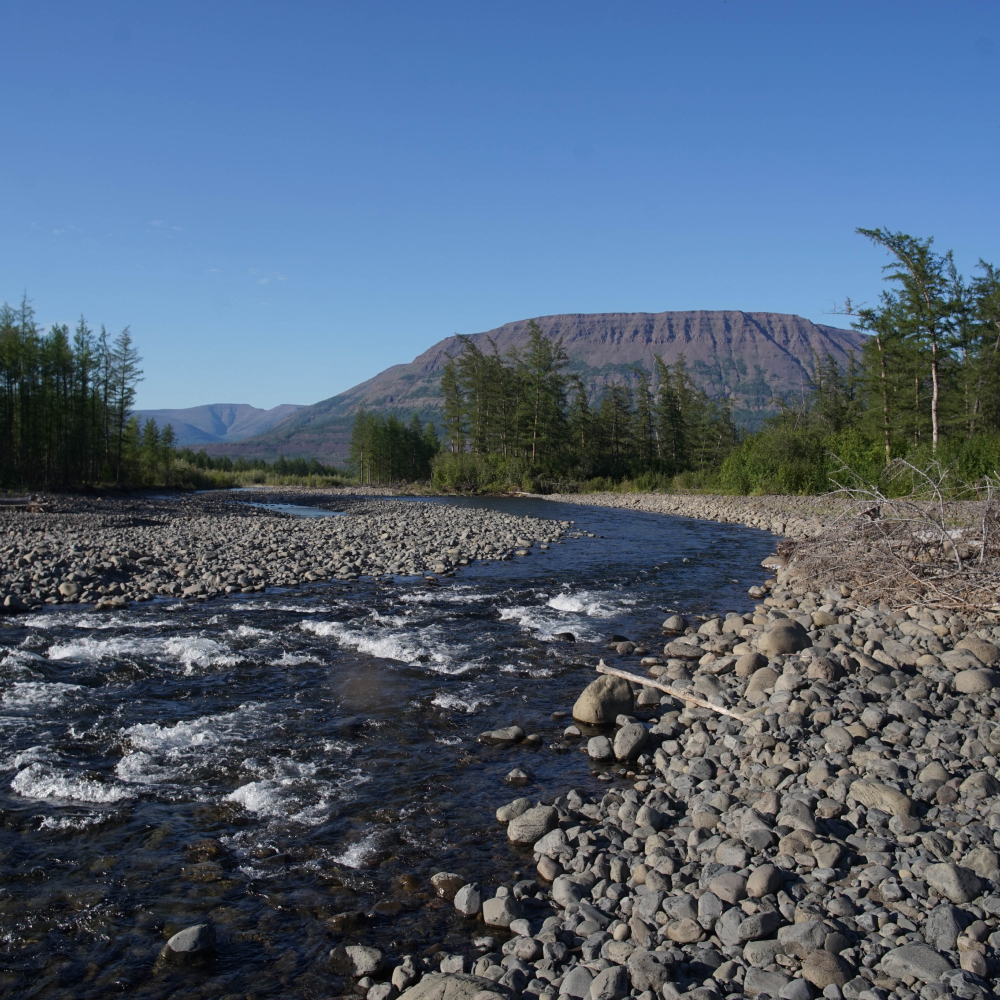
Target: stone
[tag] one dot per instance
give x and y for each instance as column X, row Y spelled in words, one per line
column 357, row 960
column 730, row 888
column 69, row 589
column 685, row 931
column 960, row 885
column 469, row 899
column 532, row 824
column 566, row 891
column 985, row 652
column 755, row 831
column 764, row 881
column 630, row 740
column 822, row 668
column 823, row 968
column 934, row 774
column 761, row 953
column 797, row 989
column 748, row 663
column 554, row 844
column 510, row 734
column 980, row 785
column 875, row 795
column 191, row 945
column 943, row 925
column 513, row 809
column 917, row 960
column 382, row 991
column 976, row 681
column 758, row 925
column 760, row 681
column 802, row 939
column 731, row 852
column 500, row 911
column 838, row 739
column 600, row 748
column 611, row 984
column 577, row 982
column 446, row 884
column 983, row 861
column 603, row 700
column 675, row 623
column 436, row 986
column 759, row 981
column 782, row 637
column 648, row 970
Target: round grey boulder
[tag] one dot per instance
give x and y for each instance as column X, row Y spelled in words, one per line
column 457, row 986
column 976, row 681
column 532, row 824
column 782, row 637
column 630, row 740
column 603, row 700
column 193, row 944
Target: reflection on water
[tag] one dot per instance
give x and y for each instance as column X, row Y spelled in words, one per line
column 270, row 762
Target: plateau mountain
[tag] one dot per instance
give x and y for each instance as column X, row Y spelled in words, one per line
column 752, row 358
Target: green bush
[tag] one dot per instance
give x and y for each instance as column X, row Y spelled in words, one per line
column 782, row 460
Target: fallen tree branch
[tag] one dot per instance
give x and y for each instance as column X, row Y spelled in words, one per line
column 603, row 668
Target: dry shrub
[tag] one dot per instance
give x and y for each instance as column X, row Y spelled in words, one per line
column 915, row 535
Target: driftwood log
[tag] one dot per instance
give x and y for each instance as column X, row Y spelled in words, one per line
column 602, row 668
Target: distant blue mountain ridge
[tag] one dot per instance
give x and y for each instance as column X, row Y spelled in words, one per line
column 218, row 423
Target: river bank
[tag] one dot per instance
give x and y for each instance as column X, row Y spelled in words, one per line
column 113, row 550
column 834, row 833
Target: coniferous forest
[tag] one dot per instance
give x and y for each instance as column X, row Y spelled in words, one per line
column 66, row 403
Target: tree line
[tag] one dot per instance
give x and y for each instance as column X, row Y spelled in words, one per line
column 385, row 450
column 925, row 387
column 66, row 406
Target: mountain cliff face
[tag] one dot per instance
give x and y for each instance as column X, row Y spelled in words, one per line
column 751, row 357
column 217, row 422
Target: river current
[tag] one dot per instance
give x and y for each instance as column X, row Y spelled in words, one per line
column 274, row 762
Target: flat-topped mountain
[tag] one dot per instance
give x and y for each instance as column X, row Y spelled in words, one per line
column 751, row 357
column 217, row 422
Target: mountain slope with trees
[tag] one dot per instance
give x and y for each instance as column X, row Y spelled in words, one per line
column 750, row 359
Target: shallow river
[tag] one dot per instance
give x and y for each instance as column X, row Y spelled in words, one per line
column 273, row 761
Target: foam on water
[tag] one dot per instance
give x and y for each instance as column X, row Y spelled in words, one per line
column 194, row 734
column 41, row 781
column 467, row 702
column 355, row 855
column 584, row 602
column 189, row 652
column 34, row 696
column 263, row 798
column 390, row 645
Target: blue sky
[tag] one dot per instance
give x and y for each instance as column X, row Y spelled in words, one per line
column 282, row 199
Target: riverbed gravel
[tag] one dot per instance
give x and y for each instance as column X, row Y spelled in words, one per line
column 112, row 550
column 839, row 837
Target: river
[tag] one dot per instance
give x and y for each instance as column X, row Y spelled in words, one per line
column 269, row 762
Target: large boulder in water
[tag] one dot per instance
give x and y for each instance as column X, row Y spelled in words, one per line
column 603, row 700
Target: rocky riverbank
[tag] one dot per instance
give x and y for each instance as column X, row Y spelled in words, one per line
column 793, row 517
column 835, row 835
column 112, row 550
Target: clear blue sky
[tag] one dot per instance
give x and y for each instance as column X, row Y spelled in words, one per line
column 283, row 199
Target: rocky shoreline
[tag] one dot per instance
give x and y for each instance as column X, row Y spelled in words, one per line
column 835, row 834
column 113, row 550
column 837, row 837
